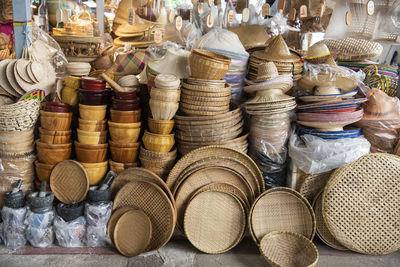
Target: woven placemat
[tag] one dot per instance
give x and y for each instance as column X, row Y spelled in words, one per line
column 322, row 231
column 281, row 209
column 360, row 204
column 280, row 248
column 132, row 233
column 114, row 219
column 69, row 181
column 311, row 184
column 203, row 177
column 152, row 200
column 214, row 221
column 141, row 174
column 214, row 151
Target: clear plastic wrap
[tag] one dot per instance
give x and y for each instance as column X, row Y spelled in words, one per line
column 96, row 236
column 388, row 23
column 229, row 6
column 313, row 155
column 276, row 25
column 189, row 34
column 70, row 234
column 97, row 217
column 14, row 227
column 39, row 231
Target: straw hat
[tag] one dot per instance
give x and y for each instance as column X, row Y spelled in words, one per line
column 318, row 53
column 127, row 30
column 251, row 35
column 266, row 71
column 277, row 50
column 380, row 106
column 269, row 78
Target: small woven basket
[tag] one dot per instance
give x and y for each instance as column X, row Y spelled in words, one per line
column 206, row 65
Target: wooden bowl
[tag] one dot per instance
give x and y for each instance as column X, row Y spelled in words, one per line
column 57, row 107
column 119, row 104
column 125, row 116
column 124, row 153
column 52, row 153
column 93, row 97
column 55, row 121
column 169, row 95
column 124, row 132
column 86, row 137
column 94, row 154
column 160, row 126
column 43, row 170
column 54, row 137
column 87, row 112
column 158, row 142
column 95, row 171
column 119, row 167
column 163, row 110
column 125, row 95
column 92, row 125
column 91, row 146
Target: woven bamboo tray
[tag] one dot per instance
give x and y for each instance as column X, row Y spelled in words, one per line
column 207, row 89
column 213, row 136
column 202, row 177
column 242, row 140
column 311, row 184
column 211, row 120
column 281, row 209
column 133, row 232
column 69, row 181
column 214, row 221
column 191, row 112
column 116, row 214
column 214, row 151
column 155, row 204
column 200, row 99
column 205, row 104
column 222, row 108
column 157, row 155
column 370, row 186
column 204, row 128
column 288, row 249
column 322, row 231
column 213, row 94
column 186, row 149
column 203, row 82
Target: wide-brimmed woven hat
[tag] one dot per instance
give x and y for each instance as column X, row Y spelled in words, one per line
column 277, row 50
column 127, row 30
column 318, row 53
column 380, row 106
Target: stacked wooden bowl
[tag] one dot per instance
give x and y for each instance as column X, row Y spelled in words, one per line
column 213, row 187
column 223, row 129
column 144, row 212
column 54, row 143
column 124, row 130
column 93, row 92
column 70, row 93
column 91, row 147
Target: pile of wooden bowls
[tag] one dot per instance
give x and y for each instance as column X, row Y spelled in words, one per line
column 223, row 129
column 124, row 128
column 164, row 98
column 208, row 65
column 54, row 143
column 93, row 92
column 70, row 92
column 126, row 100
column 91, row 146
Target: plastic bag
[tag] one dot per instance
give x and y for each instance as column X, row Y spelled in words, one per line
column 189, row 34
column 97, row 217
column 313, row 155
column 276, row 25
column 96, row 236
column 39, row 232
column 70, row 234
column 13, row 227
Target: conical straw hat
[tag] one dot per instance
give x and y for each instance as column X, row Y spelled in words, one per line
column 277, row 50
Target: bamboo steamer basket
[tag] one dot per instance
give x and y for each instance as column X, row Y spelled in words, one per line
column 87, row 112
column 55, row 121
column 160, row 126
column 158, row 142
column 163, row 110
column 169, row 95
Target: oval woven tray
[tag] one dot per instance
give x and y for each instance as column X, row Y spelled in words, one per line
column 155, row 203
column 281, row 209
column 365, row 195
column 214, row 221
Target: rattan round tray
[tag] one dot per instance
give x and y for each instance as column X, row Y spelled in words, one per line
column 288, row 249
column 360, row 204
column 214, row 151
column 69, row 181
column 311, row 184
column 150, row 198
column 322, row 231
column 281, row 209
column 199, row 120
column 214, row 221
column 113, row 221
column 205, row 132
column 132, row 233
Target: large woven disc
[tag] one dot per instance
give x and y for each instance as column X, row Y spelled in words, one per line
column 214, row 221
column 311, row 184
column 211, row 151
column 114, row 219
column 69, row 181
column 360, row 204
column 155, row 203
column 322, row 231
column 281, row 209
column 132, row 233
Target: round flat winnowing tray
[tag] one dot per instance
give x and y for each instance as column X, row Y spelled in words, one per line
column 113, row 220
column 312, row 184
column 214, row 221
column 281, row 209
column 322, row 231
column 69, row 181
column 360, row 204
column 211, row 151
column 152, row 200
column 132, row 233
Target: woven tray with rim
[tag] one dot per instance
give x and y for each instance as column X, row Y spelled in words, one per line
column 211, row 120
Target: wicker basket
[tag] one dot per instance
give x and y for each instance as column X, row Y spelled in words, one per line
column 20, row 116
column 208, row 65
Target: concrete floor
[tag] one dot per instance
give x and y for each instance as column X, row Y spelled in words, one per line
column 177, row 253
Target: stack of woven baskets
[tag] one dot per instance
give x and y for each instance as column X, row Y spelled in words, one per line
column 54, row 143
column 17, row 145
column 205, row 102
column 156, row 155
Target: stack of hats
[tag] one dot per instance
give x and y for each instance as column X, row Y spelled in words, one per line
column 17, row 145
column 270, row 122
column 125, row 147
column 158, row 139
column 138, row 35
column 277, row 51
column 91, row 147
column 54, row 143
